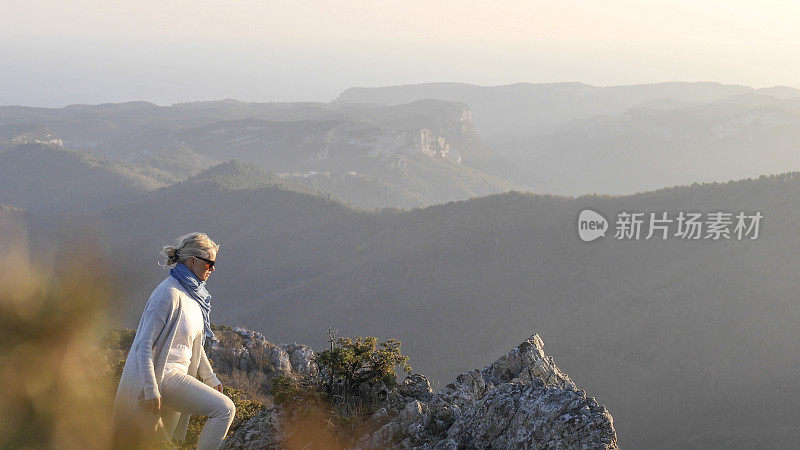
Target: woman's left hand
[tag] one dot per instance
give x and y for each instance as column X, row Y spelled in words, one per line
column 219, row 387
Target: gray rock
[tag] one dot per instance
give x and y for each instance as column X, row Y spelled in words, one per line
column 467, row 388
column 415, row 414
column 378, row 418
column 280, row 360
column 417, row 387
column 446, row 444
column 249, row 351
column 263, row 431
column 302, row 359
column 522, row 400
column 516, row 415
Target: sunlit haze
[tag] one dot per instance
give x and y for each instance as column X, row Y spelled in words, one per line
column 85, row 51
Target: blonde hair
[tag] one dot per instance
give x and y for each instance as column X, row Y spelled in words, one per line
column 187, row 246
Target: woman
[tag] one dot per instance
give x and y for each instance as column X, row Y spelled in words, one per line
column 159, row 390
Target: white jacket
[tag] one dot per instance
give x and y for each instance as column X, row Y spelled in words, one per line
column 144, row 368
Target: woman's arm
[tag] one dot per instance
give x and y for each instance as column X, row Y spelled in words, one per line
column 206, row 372
column 153, row 322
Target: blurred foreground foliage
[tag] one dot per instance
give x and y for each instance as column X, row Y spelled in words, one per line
column 55, row 391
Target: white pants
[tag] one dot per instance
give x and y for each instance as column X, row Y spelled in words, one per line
column 180, row 392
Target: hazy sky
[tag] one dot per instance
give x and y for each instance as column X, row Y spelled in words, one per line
column 86, row 51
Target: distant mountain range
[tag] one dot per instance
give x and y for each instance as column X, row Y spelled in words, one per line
column 369, row 155
column 572, row 138
column 417, row 145
column 526, row 110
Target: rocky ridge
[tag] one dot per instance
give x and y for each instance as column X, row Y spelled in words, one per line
column 245, row 350
column 522, row 400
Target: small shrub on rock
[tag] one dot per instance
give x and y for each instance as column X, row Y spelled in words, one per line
column 354, row 362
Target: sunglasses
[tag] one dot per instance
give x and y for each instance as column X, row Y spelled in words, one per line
column 208, row 261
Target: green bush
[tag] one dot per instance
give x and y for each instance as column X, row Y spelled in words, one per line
column 353, row 362
column 296, row 394
column 332, row 399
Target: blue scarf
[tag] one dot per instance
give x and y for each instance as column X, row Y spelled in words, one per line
column 197, row 290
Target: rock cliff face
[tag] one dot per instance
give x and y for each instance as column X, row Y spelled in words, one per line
column 522, row 400
column 245, row 350
column 352, row 141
